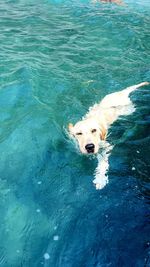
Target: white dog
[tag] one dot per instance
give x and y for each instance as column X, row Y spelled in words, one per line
column 91, row 131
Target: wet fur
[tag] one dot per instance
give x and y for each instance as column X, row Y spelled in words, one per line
column 93, row 127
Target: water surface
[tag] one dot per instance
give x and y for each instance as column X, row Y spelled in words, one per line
column 57, row 58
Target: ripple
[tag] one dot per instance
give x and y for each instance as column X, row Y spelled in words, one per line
column 57, row 59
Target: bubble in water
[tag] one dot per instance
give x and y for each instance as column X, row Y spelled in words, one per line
column 46, row 256
column 38, row 210
column 133, row 168
column 56, row 238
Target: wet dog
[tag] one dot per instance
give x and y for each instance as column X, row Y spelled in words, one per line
column 91, row 132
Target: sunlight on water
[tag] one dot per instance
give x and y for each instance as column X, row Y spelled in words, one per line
column 57, row 58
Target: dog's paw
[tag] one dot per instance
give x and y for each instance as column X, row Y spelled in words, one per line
column 100, row 184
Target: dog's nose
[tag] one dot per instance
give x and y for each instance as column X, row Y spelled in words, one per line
column 90, row 148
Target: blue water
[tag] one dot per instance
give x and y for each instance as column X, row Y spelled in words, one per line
column 57, row 58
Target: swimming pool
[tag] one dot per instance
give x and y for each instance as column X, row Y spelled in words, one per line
column 57, row 59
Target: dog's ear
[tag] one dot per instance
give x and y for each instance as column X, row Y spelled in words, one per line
column 70, row 126
column 103, row 133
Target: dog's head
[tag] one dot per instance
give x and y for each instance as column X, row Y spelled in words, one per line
column 88, row 134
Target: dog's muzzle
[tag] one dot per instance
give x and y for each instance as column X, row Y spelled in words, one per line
column 90, row 148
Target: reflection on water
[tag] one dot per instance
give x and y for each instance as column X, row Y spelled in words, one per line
column 57, row 59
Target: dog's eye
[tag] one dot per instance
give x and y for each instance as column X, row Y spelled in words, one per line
column 79, row 133
column 93, row 130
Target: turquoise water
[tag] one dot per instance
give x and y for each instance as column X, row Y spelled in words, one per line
column 57, row 58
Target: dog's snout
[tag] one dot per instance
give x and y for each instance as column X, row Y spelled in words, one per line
column 90, row 148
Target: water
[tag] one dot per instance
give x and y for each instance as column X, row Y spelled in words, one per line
column 57, row 58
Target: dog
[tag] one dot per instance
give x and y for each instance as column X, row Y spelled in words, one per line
column 91, row 132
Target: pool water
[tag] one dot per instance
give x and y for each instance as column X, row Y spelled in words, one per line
column 58, row 58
